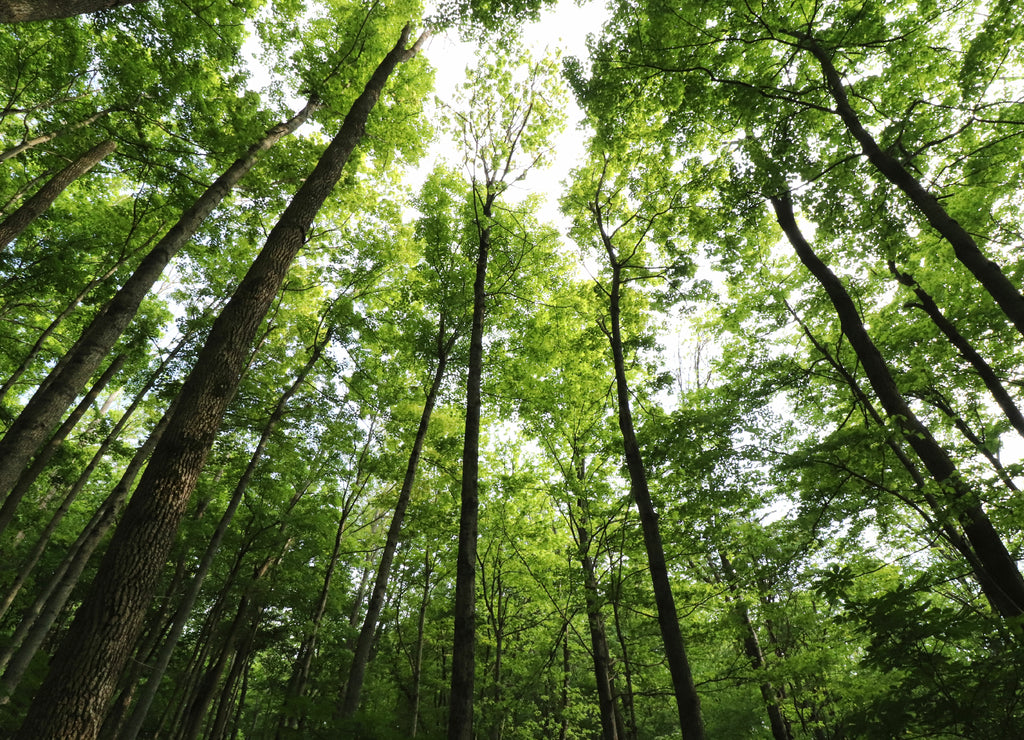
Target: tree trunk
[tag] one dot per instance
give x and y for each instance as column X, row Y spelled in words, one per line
column 417, row 663
column 35, row 206
column 1000, row 579
column 687, row 702
column 460, row 716
column 360, row 659
column 988, row 273
column 20, row 11
column 73, row 699
column 188, row 600
column 598, row 640
column 752, row 648
column 65, row 381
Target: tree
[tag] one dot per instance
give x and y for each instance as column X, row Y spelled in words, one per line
column 502, row 142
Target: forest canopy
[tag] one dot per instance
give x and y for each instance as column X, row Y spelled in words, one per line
column 317, row 424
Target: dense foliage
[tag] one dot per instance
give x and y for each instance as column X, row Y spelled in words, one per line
column 303, row 438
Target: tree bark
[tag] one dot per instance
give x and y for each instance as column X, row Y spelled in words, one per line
column 21, row 11
column 65, row 381
column 1001, row 580
column 188, row 600
column 35, row 206
column 361, row 658
column 460, row 716
column 72, row 700
column 966, row 249
column 50, row 136
column 687, row 701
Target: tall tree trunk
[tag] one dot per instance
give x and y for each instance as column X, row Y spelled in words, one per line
column 42, row 459
column 417, row 661
column 966, row 249
column 598, row 635
column 1001, row 580
column 460, row 716
column 687, row 702
column 72, row 700
column 188, row 600
column 361, row 658
column 65, row 381
column 20, row 11
column 35, row 206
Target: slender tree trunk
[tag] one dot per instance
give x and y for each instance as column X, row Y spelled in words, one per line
column 35, row 206
column 984, row 370
column 57, row 320
column 987, row 272
column 752, row 648
column 188, row 600
column 687, row 702
column 39, row 618
column 65, row 381
column 20, row 11
column 627, row 731
column 460, row 717
column 1002, row 581
column 598, row 640
column 72, row 494
column 417, row 663
column 44, row 138
column 361, row 658
column 42, row 459
column 72, row 701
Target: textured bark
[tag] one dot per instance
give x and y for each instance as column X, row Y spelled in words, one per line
column 188, row 600
column 361, row 658
column 42, row 459
column 598, row 640
column 966, row 249
column 83, row 675
column 35, row 206
column 20, row 11
column 687, row 702
column 460, row 716
column 1002, row 584
column 66, row 380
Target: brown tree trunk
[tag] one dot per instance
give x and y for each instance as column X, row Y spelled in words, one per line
column 35, row 206
column 417, row 662
column 460, row 715
column 987, row 272
column 72, row 701
column 1000, row 579
column 65, row 381
column 752, row 647
column 188, row 600
column 20, row 11
column 361, row 658
column 687, row 702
